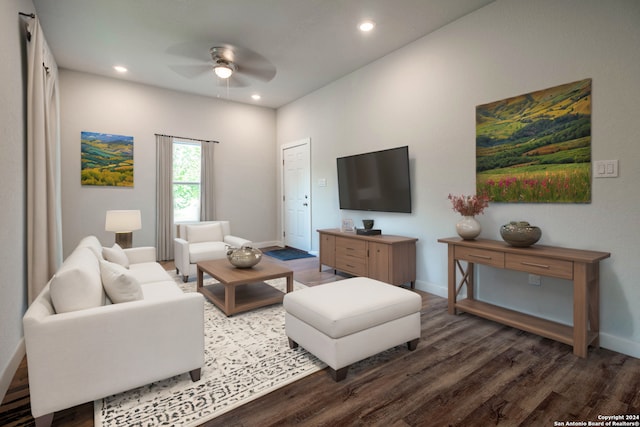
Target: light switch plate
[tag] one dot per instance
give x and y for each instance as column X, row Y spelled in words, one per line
column 605, row 169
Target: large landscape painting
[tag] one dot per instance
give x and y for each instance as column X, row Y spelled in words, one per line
column 107, row 159
column 536, row 147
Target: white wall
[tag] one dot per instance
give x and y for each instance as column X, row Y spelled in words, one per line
column 244, row 159
column 13, row 276
column 424, row 95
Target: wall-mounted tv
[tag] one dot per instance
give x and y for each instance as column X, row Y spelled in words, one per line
column 375, row 181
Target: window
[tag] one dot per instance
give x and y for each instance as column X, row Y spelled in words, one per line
column 186, row 181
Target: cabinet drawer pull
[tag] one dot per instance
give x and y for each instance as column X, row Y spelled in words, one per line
column 533, row 264
column 480, row 256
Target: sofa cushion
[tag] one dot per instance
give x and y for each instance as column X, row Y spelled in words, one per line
column 116, row 254
column 161, row 291
column 149, row 272
column 77, row 284
column 205, row 251
column 119, row 284
column 204, row 233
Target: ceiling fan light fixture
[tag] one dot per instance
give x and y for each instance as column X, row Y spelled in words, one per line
column 222, row 70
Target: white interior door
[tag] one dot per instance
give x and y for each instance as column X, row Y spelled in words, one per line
column 297, row 194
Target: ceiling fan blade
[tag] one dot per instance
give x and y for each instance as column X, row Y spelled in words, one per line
column 191, row 71
column 253, row 64
column 198, row 51
column 264, row 73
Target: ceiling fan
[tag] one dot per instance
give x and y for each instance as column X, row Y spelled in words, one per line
column 234, row 66
column 223, row 65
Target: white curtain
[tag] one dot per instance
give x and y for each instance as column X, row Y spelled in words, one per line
column 164, row 197
column 44, row 224
column 207, row 199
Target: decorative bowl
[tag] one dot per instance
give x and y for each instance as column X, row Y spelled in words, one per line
column 244, row 257
column 367, row 223
column 520, row 233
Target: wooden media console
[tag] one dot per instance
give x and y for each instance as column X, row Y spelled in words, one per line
column 390, row 259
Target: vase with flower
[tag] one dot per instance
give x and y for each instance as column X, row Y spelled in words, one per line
column 469, row 206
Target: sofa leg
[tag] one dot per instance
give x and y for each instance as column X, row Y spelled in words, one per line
column 413, row 344
column 185, row 278
column 340, row 374
column 292, row 343
column 195, row 374
column 45, row 420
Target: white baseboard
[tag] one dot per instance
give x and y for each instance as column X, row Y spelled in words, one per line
column 7, row 376
column 268, row 244
column 621, row 345
column 432, row 288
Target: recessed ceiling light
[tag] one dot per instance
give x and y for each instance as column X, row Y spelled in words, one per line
column 120, row 69
column 366, row 26
column 255, row 97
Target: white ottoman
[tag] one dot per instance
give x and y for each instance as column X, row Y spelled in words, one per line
column 349, row 320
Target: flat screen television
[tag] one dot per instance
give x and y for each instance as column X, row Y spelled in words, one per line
column 375, row 181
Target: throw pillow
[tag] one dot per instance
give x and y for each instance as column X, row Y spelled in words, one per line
column 92, row 243
column 77, row 285
column 204, row 233
column 119, row 283
column 116, row 254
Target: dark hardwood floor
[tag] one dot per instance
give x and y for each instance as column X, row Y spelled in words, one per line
column 466, row 371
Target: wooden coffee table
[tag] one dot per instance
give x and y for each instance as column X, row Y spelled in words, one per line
column 242, row 289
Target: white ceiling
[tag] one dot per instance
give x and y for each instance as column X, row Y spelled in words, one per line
column 165, row 43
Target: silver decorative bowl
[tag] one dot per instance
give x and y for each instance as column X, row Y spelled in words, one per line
column 244, row 257
column 520, row 233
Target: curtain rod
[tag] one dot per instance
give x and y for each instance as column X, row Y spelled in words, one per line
column 190, row 139
column 30, row 15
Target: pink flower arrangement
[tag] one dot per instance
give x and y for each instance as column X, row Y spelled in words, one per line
column 469, row 205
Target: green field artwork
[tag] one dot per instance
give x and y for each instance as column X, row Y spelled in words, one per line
column 536, row 148
column 107, row 159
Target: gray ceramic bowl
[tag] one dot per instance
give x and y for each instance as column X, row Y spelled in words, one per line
column 520, row 233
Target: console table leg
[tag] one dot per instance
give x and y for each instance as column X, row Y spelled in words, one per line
column 451, row 308
column 594, row 303
column 580, row 309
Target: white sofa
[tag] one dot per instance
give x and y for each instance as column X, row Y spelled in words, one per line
column 202, row 241
column 81, row 346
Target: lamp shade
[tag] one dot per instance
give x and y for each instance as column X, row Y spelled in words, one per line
column 123, row 221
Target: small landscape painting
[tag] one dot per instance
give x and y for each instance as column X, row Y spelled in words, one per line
column 107, row 159
column 536, row 148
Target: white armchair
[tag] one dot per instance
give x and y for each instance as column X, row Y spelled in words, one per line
column 202, row 241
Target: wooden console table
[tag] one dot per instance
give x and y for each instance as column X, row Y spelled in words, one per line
column 390, row 259
column 580, row 266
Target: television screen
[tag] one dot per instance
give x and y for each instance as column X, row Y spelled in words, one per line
column 376, row 181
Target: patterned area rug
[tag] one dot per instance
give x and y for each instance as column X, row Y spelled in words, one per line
column 246, row 356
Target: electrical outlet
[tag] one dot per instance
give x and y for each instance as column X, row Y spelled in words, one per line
column 534, row 280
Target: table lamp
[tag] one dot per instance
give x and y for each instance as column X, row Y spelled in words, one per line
column 123, row 223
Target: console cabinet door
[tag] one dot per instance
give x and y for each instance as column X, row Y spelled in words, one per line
column 379, row 262
column 327, row 250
